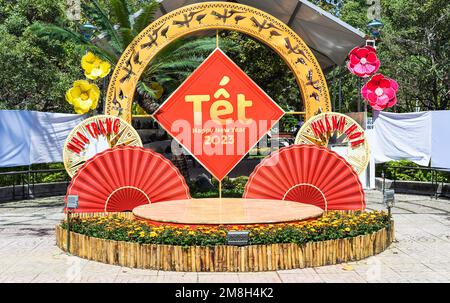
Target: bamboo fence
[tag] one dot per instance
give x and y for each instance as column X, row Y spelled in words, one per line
column 224, row 258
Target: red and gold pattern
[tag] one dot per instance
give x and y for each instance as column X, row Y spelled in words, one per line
column 218, row 114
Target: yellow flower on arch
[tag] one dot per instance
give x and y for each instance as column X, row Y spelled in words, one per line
column 83, row 96
column 94, row 67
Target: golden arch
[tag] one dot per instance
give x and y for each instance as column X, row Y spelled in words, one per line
column 217, row 15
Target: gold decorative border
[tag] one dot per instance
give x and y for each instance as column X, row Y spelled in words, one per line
column 223, row 258
column 215, row 16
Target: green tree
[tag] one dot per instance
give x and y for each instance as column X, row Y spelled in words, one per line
column 116, row 24
column 416, row 52
column 266, row 68
column 35, row 71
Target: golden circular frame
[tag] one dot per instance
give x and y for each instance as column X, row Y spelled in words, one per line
column 217, row 16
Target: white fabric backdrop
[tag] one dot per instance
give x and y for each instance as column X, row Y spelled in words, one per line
column 402, row 136
column 28, row 137
column 440, row 139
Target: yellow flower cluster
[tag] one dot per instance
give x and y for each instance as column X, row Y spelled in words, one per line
column 331, row 225
column 84, row 95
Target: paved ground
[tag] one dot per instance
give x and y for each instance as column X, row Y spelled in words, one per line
column 421, row 252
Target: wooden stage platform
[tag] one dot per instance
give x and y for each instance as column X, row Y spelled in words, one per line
column 225, row 211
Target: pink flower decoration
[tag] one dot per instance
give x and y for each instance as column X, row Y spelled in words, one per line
column 363, row 61
column 380, row 91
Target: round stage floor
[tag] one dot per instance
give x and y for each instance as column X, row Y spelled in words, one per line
column 226, row 211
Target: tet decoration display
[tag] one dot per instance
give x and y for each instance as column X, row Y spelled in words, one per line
column 308, row 174
column 218, row 114
column 124, row 177
column 94, row 135
column 340, row 131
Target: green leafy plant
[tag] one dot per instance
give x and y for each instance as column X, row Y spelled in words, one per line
column 405, row 170
column 231, row 188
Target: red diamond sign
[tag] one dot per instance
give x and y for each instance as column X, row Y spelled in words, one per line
column 218, row 114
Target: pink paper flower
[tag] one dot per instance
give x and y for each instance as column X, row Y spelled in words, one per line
column 380, row 91
column 363, row 61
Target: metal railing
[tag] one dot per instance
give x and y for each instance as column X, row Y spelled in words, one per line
column 23, row 183
column 436, row 175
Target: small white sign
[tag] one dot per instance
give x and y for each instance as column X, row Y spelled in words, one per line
column 72, row 201
column 389, row 198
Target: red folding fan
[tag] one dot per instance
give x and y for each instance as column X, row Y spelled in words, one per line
column 308, row 174
column 124, row 177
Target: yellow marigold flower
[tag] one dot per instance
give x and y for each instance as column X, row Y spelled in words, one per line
column 94, row 67
column 191, row 232
column 142, row 234
column 83, row 96
column 347, row 229
column 153, row 234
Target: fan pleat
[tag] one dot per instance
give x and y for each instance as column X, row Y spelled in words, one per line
column 306, row 194
column 148, row 174
column 133, row 197
column 307, row 174
column 136, row 178
column 163, row 185
column 157, row 171
column 128, row 177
